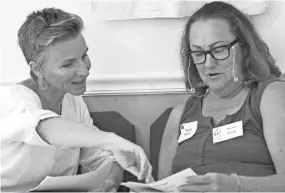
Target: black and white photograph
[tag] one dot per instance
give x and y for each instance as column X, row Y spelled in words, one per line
column 142, row 96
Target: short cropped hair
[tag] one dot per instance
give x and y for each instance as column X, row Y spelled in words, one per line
column 45, row 27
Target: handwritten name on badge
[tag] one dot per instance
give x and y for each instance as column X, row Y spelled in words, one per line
column 187, row 130
column 227, row 132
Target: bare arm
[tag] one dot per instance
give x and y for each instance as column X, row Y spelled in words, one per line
column 65, row 133
column 272, row 110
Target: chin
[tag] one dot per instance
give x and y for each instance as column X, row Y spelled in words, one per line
column 77, row 92
column 216, row 86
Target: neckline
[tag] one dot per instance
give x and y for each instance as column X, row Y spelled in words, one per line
column 227, row 116
column 38, row 97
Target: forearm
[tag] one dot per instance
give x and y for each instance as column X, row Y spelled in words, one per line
column 274, row 183
column 116, row 174
column 60, row 132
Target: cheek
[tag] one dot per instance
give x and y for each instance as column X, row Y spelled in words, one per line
column 68, row 76
column 227, row 67
column 60, row 77
column 88, row 63
column 201, row 71
column 228, row 70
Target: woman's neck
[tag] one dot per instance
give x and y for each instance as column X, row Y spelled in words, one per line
column 227, row 93
column 50, row 99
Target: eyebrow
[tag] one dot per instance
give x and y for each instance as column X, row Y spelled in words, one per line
column 73, row 59
column 211, row 45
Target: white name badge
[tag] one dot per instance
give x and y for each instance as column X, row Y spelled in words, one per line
column 227, row 132
column 187, row 130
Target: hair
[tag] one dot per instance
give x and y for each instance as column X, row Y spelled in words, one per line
column 260, row 65
column 44, row 28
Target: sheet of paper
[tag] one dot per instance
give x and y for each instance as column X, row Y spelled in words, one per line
column 84, row 182
column 168, row 184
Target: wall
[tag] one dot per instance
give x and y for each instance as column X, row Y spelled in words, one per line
column 12, row 15
column 144, row 52
column 140, row 110
column 116, row 48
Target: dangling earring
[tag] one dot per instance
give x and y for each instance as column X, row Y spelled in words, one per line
column 41, row 82
column 192, row 90
column 234, row 63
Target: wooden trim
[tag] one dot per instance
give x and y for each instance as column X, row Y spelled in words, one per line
column 135, row 85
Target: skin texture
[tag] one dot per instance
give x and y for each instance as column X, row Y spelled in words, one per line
column 207, row 34
column 65, row 69
column 67, row 66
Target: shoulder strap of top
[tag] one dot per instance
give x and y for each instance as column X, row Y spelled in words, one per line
column 257, row 92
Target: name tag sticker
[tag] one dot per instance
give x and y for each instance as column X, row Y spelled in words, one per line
column 187, row 130
column 227, row 132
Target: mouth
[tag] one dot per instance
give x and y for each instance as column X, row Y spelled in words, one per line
column 213, row 75
column 78, row 82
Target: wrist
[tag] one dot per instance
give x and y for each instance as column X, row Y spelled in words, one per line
column 119, row 144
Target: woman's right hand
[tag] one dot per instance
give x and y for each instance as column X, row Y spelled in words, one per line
column 133, row 159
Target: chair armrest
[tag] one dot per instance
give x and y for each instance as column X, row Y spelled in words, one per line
column 156, row 134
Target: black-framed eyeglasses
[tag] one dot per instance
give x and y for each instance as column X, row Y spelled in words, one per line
column 218, row 53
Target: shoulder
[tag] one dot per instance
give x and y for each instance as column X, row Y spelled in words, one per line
column 272, row 109
column 272, row 104
column 17, row 98
column 178, row 110
column 274, row 92
column 19, row 94
column 260, row 90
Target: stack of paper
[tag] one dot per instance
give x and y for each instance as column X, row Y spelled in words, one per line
column 168, row 184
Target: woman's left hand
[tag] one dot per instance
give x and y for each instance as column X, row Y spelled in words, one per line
column 211, row 182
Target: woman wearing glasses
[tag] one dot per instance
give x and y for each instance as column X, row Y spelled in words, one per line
column 232, row 126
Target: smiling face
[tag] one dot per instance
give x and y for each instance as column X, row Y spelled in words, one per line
column 208, row 34
column 66, row 66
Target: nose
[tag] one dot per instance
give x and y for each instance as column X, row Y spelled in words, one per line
column 210, row 61
column 83, row 69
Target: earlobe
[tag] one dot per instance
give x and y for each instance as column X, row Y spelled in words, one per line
column 34, row 67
